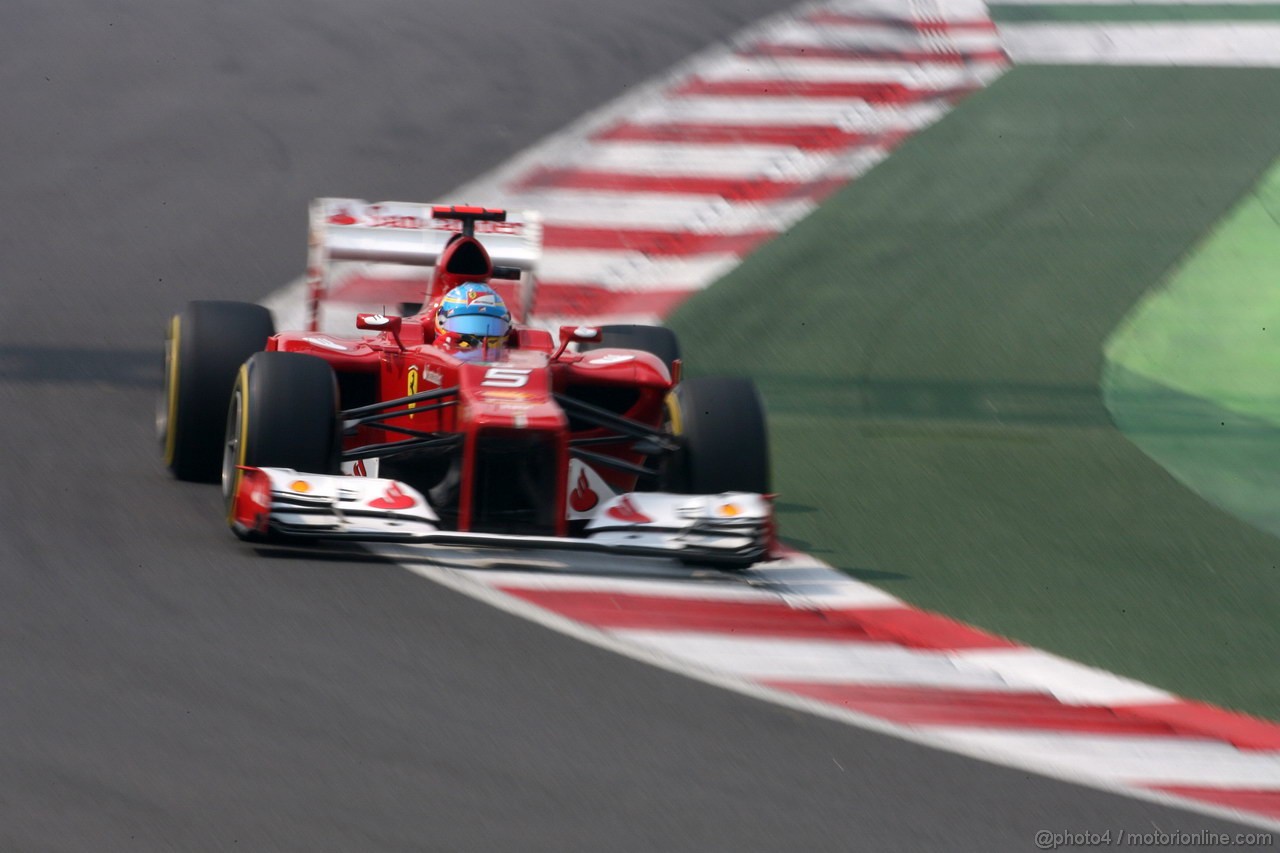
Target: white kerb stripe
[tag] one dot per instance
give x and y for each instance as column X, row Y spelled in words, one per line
column 625, row 270
column 699, row 214
column 851, row 114
column 937, row 10
column 821, row 661
column 857, row 162
column 1069, row 682
column 872, row 37
column 743, row 162
column 934, row 76
column 1153, row 760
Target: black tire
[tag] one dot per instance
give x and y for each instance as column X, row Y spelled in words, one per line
column 658, row 340
column 283, row 414
column 204, row 348
column 725, row 437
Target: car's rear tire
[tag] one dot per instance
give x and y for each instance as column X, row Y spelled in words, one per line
column 205, row 346
column 283, row 414
column 658, row 340
column 724, row 437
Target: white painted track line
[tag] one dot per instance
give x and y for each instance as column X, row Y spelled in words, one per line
column 1149, row 760
column 1221, row 43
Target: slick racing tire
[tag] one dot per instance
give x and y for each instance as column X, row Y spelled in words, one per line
column 205, row 346
column 725, row 440
column 283, row 414
column 658, row 340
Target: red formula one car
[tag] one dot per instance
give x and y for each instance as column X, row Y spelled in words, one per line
column 585, row 441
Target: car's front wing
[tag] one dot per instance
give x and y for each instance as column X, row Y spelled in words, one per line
column 733, row 529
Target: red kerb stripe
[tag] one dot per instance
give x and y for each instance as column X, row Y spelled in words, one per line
column 986, row 708
column 894, row 625
column 813, row 137
column 924, row 630
column 656, row 612
column 793, row 51
column 651, row 241
column 1240, row 730
column 879, row 93
column 999, row 709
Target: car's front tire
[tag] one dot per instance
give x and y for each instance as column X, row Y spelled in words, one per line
column 724, row 437
column 205, row 346
column 283, row 414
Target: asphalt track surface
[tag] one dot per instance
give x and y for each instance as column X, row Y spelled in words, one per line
column 163, row 687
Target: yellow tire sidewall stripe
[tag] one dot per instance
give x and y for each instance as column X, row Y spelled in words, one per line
column 171, row 389
column 674, row 414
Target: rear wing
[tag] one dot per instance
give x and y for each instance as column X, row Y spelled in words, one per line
column 394, row 232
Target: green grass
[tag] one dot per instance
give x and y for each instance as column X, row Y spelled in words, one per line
column 929, row 345
column 1214, row 330
column 1192, row 373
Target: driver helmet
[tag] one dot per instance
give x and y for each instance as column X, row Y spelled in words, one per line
column 473, row 322
column 463, row 294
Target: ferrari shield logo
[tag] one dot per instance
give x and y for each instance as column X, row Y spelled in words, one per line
column 413, row 384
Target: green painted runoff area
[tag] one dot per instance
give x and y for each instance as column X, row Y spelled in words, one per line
column 1065, row 13
column 1193, row 374
column 930, row 346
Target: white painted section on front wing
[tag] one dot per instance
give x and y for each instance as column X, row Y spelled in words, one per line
column 1152, row 760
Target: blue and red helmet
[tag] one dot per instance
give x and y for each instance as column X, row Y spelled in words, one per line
column 465, row 294
column 473, row 321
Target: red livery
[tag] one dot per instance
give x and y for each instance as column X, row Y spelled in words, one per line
column 586, row 439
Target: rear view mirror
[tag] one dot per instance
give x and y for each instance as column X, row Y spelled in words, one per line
column 576, row 334
column 381, row 323
column 378, row 323
column 580, row 334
